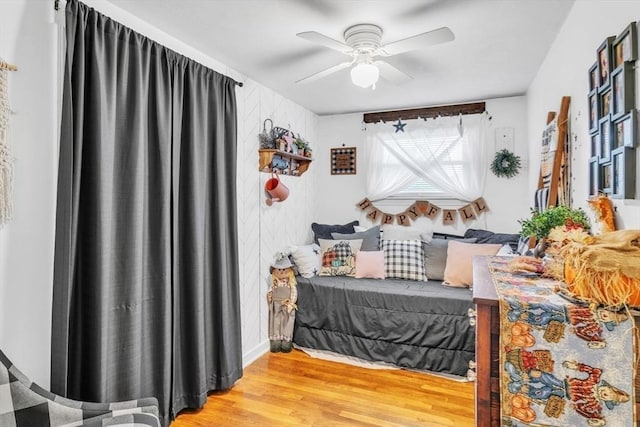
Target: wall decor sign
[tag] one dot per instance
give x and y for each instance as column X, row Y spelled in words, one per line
column 468, row 212
column 613, row 116
column 343, row 161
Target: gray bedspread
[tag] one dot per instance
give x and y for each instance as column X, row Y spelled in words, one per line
column 417, row 325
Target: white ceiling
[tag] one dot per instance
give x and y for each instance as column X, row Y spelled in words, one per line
column 498, row 46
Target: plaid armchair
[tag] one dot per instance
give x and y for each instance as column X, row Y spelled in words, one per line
column 23, row 403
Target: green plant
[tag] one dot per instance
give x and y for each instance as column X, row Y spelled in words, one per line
column 541, row 223
column 300, row 143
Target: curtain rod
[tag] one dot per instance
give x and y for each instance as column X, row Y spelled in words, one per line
column 424, row 113
column 7, row 66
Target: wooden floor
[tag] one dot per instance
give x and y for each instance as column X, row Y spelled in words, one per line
column 294, row 389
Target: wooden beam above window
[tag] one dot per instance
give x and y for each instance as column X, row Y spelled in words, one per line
column 424, row 113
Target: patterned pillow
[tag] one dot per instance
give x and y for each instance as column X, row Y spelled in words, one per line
column 339, row 257
column 404, row 259
column 307, row 259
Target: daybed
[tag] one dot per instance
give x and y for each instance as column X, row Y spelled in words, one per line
column 412, row 324
column 415, row 324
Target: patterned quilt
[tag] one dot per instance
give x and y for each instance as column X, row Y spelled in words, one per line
column 562, row 363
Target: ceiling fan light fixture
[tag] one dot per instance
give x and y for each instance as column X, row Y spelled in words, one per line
column 365, row 75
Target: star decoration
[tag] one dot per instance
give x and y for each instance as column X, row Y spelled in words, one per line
column 399, row 126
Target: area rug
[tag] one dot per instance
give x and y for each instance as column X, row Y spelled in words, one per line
column 561, row 363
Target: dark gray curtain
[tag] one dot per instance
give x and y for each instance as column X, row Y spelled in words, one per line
column 145, row 297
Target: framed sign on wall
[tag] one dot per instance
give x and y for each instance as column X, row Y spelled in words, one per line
column 343, row 161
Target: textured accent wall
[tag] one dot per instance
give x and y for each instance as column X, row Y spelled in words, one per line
column 264, row 230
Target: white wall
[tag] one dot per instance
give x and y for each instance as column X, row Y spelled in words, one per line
column 564, row 73
column 28, row 39
column 507, row 198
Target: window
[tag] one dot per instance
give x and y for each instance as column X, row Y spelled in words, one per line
column 446, row 149
column 442, row 158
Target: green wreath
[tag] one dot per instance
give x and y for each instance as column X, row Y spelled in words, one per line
column 506, row 164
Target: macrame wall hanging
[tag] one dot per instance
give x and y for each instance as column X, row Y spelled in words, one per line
column 6, row 161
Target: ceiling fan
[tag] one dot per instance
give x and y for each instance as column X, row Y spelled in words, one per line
column 363, row 42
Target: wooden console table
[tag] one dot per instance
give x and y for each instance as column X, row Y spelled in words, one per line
column 487, row 388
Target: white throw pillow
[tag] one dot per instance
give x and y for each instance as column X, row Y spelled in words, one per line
column 307, row 258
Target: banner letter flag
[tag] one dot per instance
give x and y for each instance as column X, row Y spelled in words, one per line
column 403, row 219
column 364, row 204
column 373, row 215
column 412, row 211
column 467, row 213
column 423, row 207
column 449, row 216
column 480, row 206
column 387, row 218
column 433, row 211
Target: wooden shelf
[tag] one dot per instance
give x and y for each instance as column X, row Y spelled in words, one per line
column 297, row 165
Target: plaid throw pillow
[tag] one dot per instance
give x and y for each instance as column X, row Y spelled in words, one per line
column 404, row 259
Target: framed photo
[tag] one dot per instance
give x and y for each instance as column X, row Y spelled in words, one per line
column 595, row 145
column 593, row 176
column 623, row 173
column 593, row 77
column 625, row 131
column 623, row 90
column 605, row 140
column 343, row 161
column 604, row 62
column 625, row 46
column 605, row 177
column 593, row 112
column 604, row 103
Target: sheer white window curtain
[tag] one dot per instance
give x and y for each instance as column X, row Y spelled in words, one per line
column 448, row 153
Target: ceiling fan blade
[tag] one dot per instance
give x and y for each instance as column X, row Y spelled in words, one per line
column 420, row 41
column 391, row 73
column 324, row 73
column 325, row 41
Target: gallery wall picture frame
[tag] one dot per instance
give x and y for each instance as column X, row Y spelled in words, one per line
column 625, row 132
column 594, row 112
column 594, row 168
column 593, row 77
column 595, row 144
column 613, row 116
column 604, row 102
column 343, row 161
column 604, row 62
column 623, row 173
column 625, row 46
column 605, row 177
column 605, row 139
column 623, row 90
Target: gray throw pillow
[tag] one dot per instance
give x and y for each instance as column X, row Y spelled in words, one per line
column 323, row 231
column 370, row 238
column 435, row 256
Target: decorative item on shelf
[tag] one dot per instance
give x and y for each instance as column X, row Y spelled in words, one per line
column 505, row 164
column 275, row 190
column 267, row 138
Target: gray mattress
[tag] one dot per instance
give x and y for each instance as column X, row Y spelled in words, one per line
column 416, row 325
